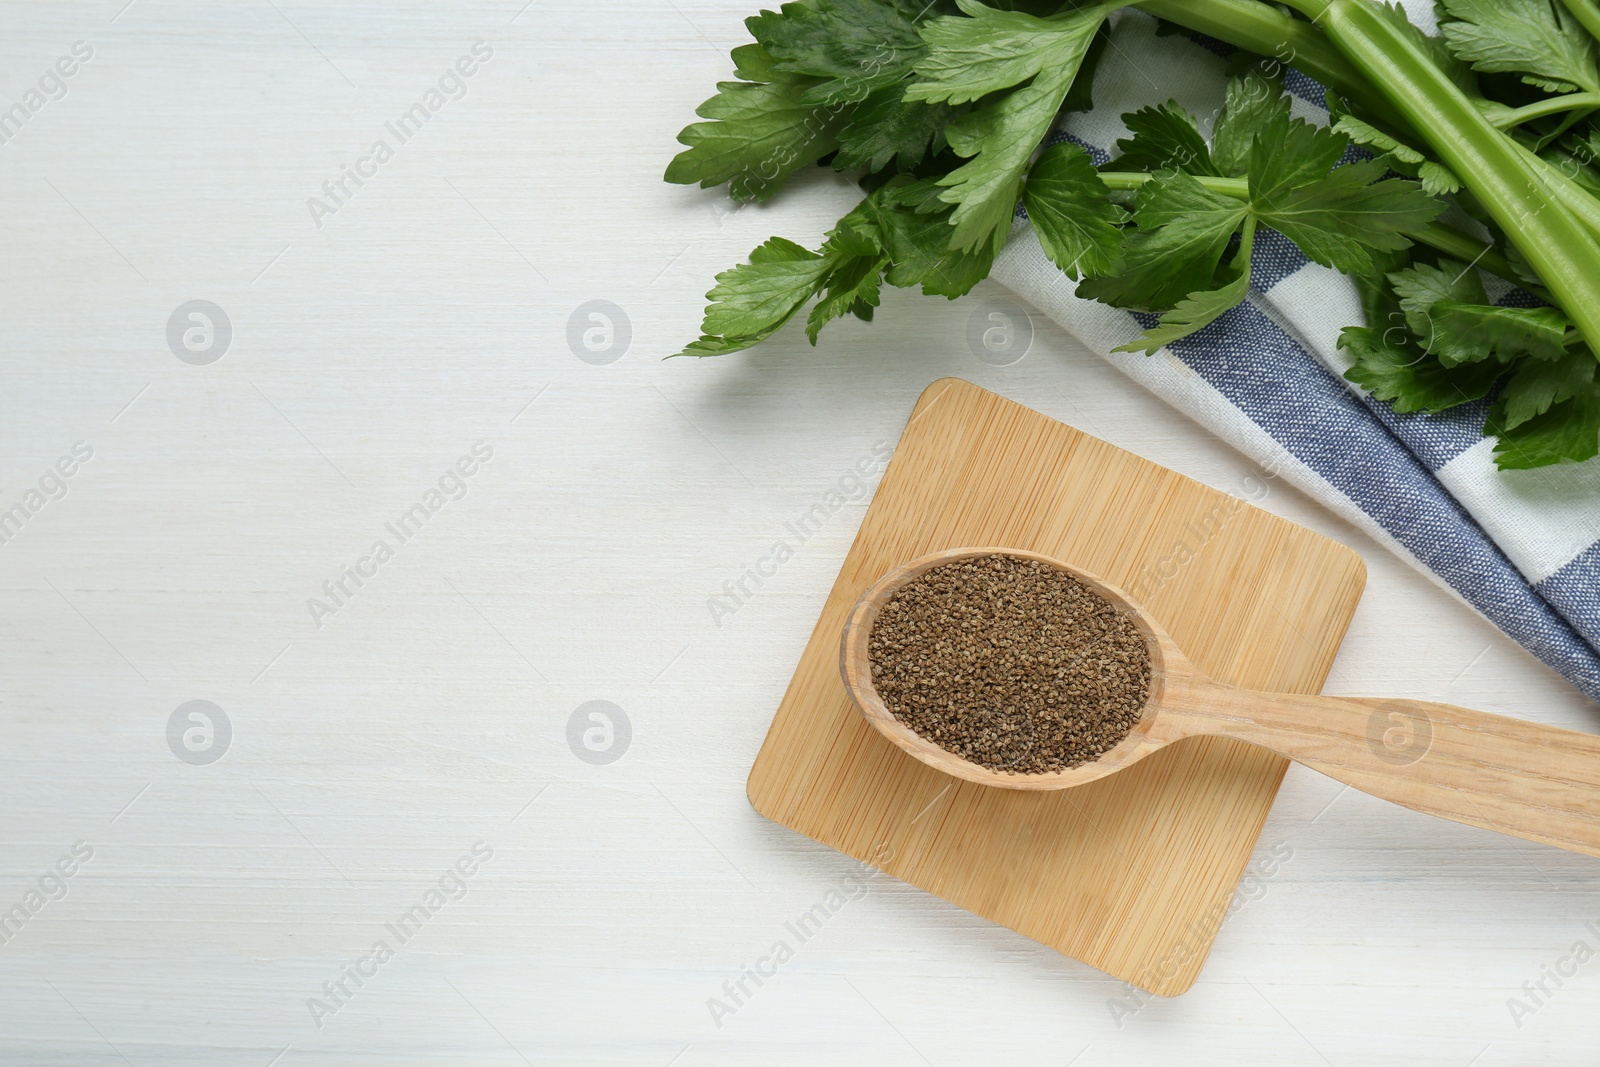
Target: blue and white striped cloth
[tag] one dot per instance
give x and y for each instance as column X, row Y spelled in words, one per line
column 1522, row 547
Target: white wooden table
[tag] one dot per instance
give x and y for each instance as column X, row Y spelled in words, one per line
column 216, row 904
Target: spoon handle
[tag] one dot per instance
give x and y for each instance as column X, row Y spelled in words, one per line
column 1520, row 778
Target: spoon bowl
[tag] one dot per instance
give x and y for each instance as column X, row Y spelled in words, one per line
column 1516, row 777
column 856, row 665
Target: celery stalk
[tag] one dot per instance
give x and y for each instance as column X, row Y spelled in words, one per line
column 1561, row 248
column 1261, row 28
column 1266, row 30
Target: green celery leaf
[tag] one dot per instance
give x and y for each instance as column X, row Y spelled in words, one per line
column 999, row 139
column 971, row 57
column 922, row 196
column 886, row 128
column 1437, row 179
column 1447, row 309
column 919, row 247
column 855, row 235
column 1538, row 384
column 1378, row 304
column 890, row 235
column 1338, row 217
column 1252, row 101
column 1535, row 38
column 760, row 131
column 1072, row 211
column 1390, row 366
column 1466, row 333
column 853, row 46
column 1369, row 136
column 1182, row 230
column 855, row 281
column 1190, row 314
column 1569, row 432
column 1164, row 138
column 1337, row 220
column 855, row 254
column 993, row 50
column 1422, row 285
column 720, row 346
column 1289, row 154
column 1198, row 310
column 755, row 298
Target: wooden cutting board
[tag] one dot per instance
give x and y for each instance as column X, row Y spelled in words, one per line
column 1132, row 874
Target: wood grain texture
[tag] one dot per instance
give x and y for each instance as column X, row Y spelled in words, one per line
column 1131, row 874
column 1537, row 782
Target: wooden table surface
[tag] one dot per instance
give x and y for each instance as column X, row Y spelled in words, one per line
column 398, row 511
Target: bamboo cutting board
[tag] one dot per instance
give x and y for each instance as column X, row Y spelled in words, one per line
column 1132, row 874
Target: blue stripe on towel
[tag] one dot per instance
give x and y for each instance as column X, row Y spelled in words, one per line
column 1435, row 437
column 1273, row 258
column 1575, row 592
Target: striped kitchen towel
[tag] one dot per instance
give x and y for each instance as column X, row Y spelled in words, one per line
column 1522, row 547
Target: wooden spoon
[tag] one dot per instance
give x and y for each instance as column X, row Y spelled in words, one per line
column 1536, row 782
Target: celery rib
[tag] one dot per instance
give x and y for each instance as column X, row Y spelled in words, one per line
column 1551, row 106
column 1561, row 248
